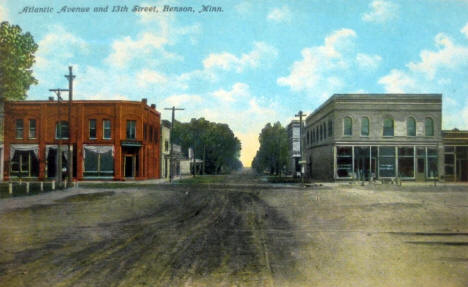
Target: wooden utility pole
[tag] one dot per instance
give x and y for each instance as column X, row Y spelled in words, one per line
column 302, row 161
column 59, row 147
column 70, row 78
column 171, row 156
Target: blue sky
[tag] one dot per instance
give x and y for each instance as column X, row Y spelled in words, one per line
column 255, row 62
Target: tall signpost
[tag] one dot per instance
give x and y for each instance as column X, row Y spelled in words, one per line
column 302, row 161
column 171, row 156
column 70, row 78
column 59, row 136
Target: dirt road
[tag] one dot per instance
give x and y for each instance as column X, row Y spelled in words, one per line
column 235, row 235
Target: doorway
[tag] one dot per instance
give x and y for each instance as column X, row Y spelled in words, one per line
column 130, row 166
column 362, row 162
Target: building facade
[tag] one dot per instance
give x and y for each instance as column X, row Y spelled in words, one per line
column 455, row 155
column 165, row 148
column 109, row 139
column 294, row 147
column 375, row 136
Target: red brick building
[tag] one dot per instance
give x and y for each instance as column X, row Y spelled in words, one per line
column 110, row 139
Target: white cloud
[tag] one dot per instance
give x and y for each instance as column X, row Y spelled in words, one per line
column 262, row 54
column 127, row 49
column 59, row 46
column 380, row 11
column 448, row 55
column 319, row 64
column 238, row 91
column 146, row 77
column 397, row 82
column 282, row 14
column 440, row 70
column 464, row 30
column 368, row 62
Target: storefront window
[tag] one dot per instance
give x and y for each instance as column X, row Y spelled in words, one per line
column 406, row 162
column 344, row 160
column 386, row 161
column 24, row 164
column 98, row 161
column 432, row 161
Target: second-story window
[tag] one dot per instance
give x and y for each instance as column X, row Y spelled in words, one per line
column 429, row 127
column 348, row 127
column 411, row 127
column 61, row 130
column 19, row 129
column 106, row 129
column 92, row 129
column 330, row 128
column 131, row 129
column 388, row 127
column 32, row 128
column 166, row 146
column 364, row 126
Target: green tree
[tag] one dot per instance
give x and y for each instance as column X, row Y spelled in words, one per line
column 272, row 155
column 16, row 59
column 214, row 142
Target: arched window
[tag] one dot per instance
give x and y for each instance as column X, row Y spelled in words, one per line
column 313, row 136
column 61, row 130
column 330, row 128
column 348, row 126
column 411, row 127
column 429, row 127
column 321, row 132
column 317, row 133
column 365, row 126
column 388, row 127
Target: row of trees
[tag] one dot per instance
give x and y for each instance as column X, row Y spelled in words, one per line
column 16, row 59
column 213, row 142
column 272, row 155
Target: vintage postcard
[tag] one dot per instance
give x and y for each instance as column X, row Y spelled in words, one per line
column 233, row 143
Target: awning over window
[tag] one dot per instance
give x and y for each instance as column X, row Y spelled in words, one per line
column 98, row 149
column 24, row 147
column 54, row 146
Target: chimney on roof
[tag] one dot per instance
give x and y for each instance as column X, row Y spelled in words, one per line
column 153, row 106
column 51, row 99
column 144, row 101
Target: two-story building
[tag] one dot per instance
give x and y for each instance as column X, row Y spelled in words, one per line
column 109, row 139
column 165, row 148
column 294, row 147
column 365, row 136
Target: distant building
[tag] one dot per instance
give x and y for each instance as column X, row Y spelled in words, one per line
column 455, row 155
column 165, row 148
column 110, row 139
column 294, row 147
column 365, row 136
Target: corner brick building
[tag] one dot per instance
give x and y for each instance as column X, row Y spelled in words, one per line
column 113, row 140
